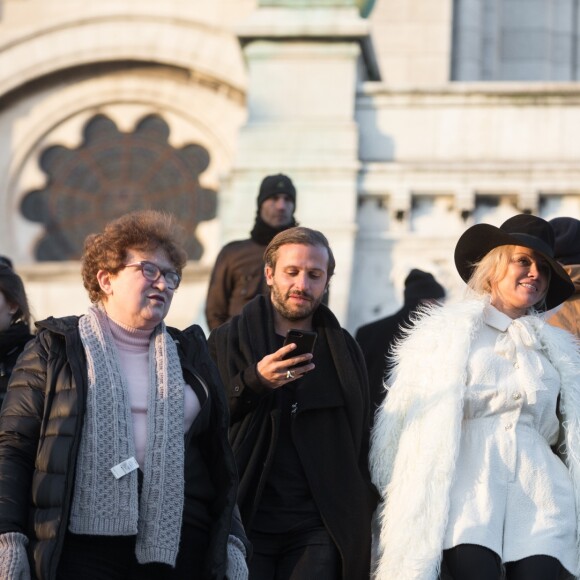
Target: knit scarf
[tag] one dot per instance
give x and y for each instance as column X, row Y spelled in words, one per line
column 102, row 504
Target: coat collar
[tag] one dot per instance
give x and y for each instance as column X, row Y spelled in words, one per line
column 495, row 318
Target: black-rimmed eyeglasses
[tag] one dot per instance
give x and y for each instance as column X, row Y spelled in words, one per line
column 152, row 272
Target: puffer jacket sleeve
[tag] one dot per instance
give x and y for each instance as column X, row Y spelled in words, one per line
column 20, row 425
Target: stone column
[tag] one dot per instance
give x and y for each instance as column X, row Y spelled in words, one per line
column 305, row 60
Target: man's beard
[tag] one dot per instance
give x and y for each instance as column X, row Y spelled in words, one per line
column 280, row 304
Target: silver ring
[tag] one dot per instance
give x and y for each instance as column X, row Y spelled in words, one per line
column 289, row 374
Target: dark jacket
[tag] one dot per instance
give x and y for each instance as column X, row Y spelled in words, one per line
column 330, row 427
column 40, row 431
column 237, row 276
column 376, row 340
column 12, row 342
column 568, row 315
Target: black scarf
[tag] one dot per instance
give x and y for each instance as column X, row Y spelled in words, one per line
column 262, row 233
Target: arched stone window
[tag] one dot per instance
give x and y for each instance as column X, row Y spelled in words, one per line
column 112, row 173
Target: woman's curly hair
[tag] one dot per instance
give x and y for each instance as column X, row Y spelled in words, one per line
column 146, row 230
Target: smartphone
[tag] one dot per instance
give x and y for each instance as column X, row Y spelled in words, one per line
column 304, row 341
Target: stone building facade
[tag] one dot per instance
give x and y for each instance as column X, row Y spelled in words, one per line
column 401, row 122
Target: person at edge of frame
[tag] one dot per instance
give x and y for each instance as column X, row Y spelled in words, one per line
column 15, row 319
column 465, row 444
column 567, row 252
column 114, row 455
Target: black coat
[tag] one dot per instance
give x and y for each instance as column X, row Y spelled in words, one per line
column 40, row 431
column 376, row 340
column 330, row 427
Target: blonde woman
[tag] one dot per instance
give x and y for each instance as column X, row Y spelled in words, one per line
column 463, row 449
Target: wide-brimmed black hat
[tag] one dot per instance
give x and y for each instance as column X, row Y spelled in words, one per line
column 521, row 230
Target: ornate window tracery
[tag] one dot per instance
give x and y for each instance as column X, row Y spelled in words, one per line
column 112, row 173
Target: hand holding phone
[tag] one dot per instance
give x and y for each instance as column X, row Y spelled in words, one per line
column 273, row 370
column 304, row 341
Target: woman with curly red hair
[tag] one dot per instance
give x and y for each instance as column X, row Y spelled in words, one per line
column 114, row 453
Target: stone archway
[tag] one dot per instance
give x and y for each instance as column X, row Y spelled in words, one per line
column 209, row 53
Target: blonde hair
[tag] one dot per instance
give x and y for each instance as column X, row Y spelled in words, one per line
column 492, row 268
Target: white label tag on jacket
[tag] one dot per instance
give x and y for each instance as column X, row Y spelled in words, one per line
column 124, row 467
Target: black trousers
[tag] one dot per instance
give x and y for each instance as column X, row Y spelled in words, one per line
column 304, row 555
column 472, row 562
column 113, row 558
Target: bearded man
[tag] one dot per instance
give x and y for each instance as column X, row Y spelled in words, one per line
column 299, row 424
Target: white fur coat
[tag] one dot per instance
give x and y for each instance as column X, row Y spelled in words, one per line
column 415, row 439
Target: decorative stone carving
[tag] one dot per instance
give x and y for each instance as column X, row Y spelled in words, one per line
column 112, row 173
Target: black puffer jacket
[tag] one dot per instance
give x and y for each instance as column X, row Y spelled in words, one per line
column 40, row 430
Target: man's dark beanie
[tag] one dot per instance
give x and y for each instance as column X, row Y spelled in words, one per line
column 275, row 184
column 421, row 285
column 567, row 244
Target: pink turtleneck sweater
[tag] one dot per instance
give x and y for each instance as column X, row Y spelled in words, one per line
column 133, row 352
